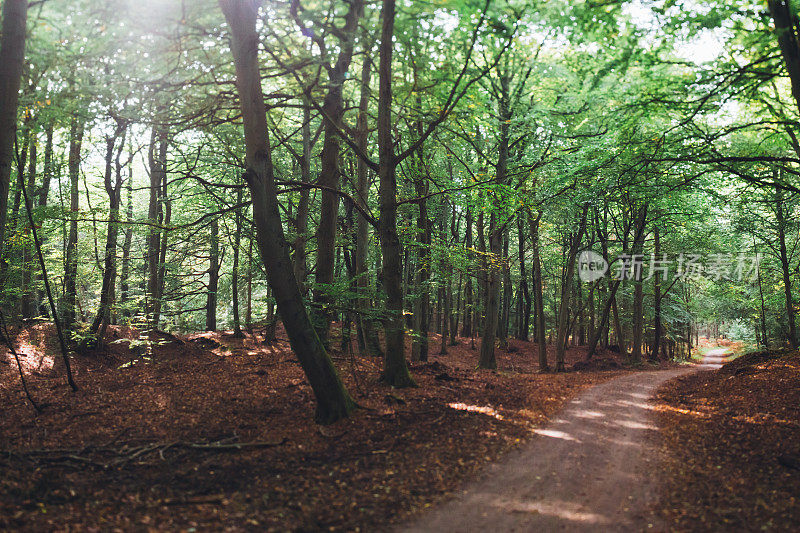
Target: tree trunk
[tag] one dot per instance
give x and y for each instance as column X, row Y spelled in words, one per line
column 657, row 327
column 42, row 202
column 395, row 371
column 638, row 306
column 524, row 306
column 508, row 294
column 566, row 290
column 419, row 347
column 113, row 189
column 786, row 29
column 764, row 338
column 332, row 111
column 483, row 279
column 213, row 277
column 368, row 332
column 155, row 216
column 467, row 330
column 248, row 314
column 538, row 294
column 237, row 326
column 301, row 221
column 333, row 401
column 487, row 357
column 12, row 61
column 71, row 266
column 124, row 282
column 29, row 301
column 784, row 258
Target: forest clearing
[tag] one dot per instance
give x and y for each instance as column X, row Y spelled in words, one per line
column 338, row 265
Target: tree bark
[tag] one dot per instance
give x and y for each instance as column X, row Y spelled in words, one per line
column 566, row 290
column 332, row 111
column 657, row 326
column 155, row 216
column 786, row 29
column 487, row 356
column 301, row 221
column 333, row 401
column 419, row 347
column 113, row 189
column 784, row 258
column 395, row 372
column 124, row 281
column 29, row 304
column 367, row 327
column 237, row 326
column 213, row 277
column 467, row 330
column 71, row 266
column 12, row 61
column 538, row 294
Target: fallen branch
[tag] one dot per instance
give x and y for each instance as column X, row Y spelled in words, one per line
column 115, row 457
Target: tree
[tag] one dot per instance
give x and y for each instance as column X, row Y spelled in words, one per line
column 12, row 59
column 333, row 401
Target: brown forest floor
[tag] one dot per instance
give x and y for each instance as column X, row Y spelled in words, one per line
column 123, row 451
column 730, row 443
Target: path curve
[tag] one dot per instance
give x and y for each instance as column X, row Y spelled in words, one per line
column 585, row 471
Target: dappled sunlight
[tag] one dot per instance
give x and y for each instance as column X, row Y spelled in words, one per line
column 589, row 414
column 555, row 434
column 565, row 510
column 634, row 425
column 31, row 357
column 484, row 410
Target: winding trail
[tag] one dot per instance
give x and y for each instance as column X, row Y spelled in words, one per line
column 587, row 470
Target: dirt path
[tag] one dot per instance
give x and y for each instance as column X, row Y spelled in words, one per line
column 586, row 470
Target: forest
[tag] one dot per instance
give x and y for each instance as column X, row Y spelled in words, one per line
column 300, row 265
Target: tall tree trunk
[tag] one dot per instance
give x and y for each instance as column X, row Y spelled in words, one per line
column 42, row 202
column 12, row 61
column 638, row 321
column 487, row 356
column 538, row 293
column 468, row 293
column 497, row 232
column 237, row 326
column 524, row 306
column 508, row 295
column 787, row 26
column 248, row 314
column 763, row 313
column 333, row 401
column 395, row 371
column 784, row 258
column 301, row 221
column 455, row 313
column 419, row 347
column 113, row 189
column 566, row 290
column 657, row 326
column 71, row 265
column 332, row 111
column 444, row 287
column 29, row 297
column 155, row 216
column 213, row 277
column 124, row 282
column 367, row 327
